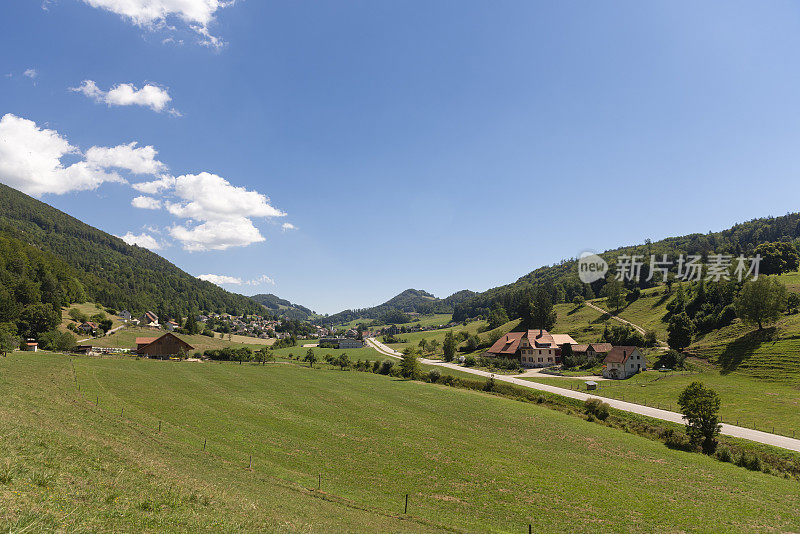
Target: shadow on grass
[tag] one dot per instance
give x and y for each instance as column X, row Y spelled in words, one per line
column 742, row 348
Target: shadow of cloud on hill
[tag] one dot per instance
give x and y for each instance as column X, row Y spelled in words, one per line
column 743, row 348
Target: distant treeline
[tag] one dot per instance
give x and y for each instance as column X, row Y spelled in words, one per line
column 775, row 237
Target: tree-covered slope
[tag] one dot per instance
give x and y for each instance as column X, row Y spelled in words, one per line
column 409, row 301
column 561, row 279
column 283, row 308
column 47, row 256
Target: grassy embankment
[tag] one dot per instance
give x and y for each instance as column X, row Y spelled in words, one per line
column 469, row 461
column 126, row 338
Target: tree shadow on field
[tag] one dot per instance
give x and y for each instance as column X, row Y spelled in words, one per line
column 742, row 348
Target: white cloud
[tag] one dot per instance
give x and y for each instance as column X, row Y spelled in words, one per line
column 288, row 226
column 125, row 94
column 220, row 279
column 143, row 240
column 140, row 160
column 156, row 186
column 30, row 160
column 223, row 211
column 151, row 14
column 31, row 73
column 218, row 234
column 146, row 203
column 206, row 196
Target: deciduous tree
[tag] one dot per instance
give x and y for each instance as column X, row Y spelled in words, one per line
column 700, row 408
column 761, row 301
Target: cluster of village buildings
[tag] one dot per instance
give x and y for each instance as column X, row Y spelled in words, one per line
column 540, row 348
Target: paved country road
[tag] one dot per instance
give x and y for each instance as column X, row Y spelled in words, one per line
column 656, row 413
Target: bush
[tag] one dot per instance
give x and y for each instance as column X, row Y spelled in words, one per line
column 596, row 408
column 469, row 361
column 724, row 455
column 749, row 461
column 376, row 366
column 434, row 375
column 386, row 367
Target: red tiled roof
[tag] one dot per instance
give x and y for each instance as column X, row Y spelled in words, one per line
column 508, row 344
column 580, row 348
column 619, row 354
column 145, row 340
column 540, row 337
column 602, row 347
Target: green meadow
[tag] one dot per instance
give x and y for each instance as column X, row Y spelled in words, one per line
column 745, row 400
column 469, row 461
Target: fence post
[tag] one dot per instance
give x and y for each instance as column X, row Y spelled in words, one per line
column 204, row 444
column 319, row 481
column 97, row 402
column 250, row 465
column 159, row 426
column 406, row 510
column 122, row 412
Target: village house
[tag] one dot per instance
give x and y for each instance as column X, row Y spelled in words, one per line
column 30, row 345
column 170, row 326
column 592, row 350
column 88, row 327
column 125, row 315
column 534, row 348
column 624, row 362
column 162, row 347
column 341, row 342
column 150, row 319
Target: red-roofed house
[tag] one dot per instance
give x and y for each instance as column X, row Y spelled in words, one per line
column 624, row 362
column 534, row 348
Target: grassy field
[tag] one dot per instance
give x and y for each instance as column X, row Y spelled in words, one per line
column 434, row 319
column 745, row 399
column 76, row 466
column 126, row 338
column 87, row 309
column 584, row 324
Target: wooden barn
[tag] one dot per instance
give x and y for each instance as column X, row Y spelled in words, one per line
column 163, row 347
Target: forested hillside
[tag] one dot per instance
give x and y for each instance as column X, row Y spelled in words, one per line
column 49, row 259
column 395, row 309
column 283, row 308
column 562, row 283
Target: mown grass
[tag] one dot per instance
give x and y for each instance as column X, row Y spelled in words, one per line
column 745, row 400
column 469, row 461
column 583, row 323
column 88, row 309
column 126, row 338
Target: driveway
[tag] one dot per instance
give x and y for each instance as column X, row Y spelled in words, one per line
column 656, row 413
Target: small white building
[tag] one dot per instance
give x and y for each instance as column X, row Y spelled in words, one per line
column 125, row 315
column 624, row 362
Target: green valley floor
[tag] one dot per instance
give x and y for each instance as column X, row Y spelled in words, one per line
column 469, row 462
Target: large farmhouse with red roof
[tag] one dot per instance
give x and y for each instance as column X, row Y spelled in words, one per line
column 534, row 348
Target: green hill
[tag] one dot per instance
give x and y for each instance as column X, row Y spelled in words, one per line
column 561, row 279
column 49, row 260
column 283, row 308
column 415, row 301
column 246, row 447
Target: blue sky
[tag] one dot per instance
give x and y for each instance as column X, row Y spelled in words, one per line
column 436, row 145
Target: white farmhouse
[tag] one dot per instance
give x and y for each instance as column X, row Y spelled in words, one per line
column 624, row 362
